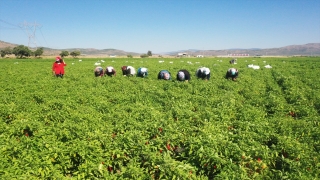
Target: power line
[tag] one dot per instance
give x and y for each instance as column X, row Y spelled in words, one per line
column 44, row 38
column 9, row 23
column 2, row 27
column 15, row 27
column 30, row 29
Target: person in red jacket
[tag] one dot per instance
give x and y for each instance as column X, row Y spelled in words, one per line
column 58, row 67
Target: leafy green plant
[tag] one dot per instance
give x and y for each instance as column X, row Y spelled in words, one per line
column 265, row 125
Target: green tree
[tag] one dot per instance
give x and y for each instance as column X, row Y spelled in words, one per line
column 149, row 53
column 6, row 51
column 64, row 54
column 2, row 53
column 74, row 54
column 129, row 56
column 144, row 56
column 38, row 52
column 21, row 51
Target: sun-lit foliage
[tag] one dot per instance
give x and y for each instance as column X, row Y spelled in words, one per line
column 264, row 125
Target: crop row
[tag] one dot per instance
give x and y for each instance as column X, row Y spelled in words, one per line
column 264, row 126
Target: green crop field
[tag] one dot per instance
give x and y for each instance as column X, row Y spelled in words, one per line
column 265, row 125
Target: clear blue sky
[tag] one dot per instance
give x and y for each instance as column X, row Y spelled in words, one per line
column 162, row 25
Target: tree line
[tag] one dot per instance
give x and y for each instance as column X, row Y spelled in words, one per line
column 22, row 51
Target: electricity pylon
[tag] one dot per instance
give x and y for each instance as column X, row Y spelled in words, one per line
column 30, row 29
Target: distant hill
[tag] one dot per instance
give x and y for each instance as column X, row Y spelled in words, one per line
column 91, row 52
column 304, row 50
column 310, row 49
column 6, row 44
column 84, row 51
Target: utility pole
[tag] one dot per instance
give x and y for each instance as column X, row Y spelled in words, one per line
column 30, row 29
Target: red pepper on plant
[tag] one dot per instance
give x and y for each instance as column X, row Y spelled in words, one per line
column 230, row 127
column 110, row 168
column 168, row 147
column 114, row 135
column 259, row 160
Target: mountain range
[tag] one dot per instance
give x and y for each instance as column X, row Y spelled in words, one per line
column 310, row 49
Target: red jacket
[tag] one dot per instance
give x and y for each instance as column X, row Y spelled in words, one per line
column 58, row 68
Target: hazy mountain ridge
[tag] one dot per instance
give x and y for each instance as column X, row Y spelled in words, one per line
column 310, row 49
column 90, row 51
column 291, row 50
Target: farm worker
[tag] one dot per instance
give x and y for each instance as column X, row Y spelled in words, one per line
column 232, row 73
column 128, row 70
column 142, row 72
column 98, row 71
column 233, row 61
column 183, row 75
column 164, row 74
column 203, row 73
column 110, row 71
column 58, row 67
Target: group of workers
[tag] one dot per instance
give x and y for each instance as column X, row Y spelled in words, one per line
column 182, row 75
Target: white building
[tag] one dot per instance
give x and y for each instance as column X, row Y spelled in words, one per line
column 182, row 54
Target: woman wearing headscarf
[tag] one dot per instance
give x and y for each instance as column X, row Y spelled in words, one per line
column 58, row 67
column 98, row 71
column 110, row 71
column 203, row 73
column 232, row 73
column 183, row 75
column 142, row 72
column 128, row 71
column 164, row 74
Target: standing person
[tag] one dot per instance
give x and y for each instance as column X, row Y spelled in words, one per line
column 232, row 73
column 183, row 75
column 98, row 71
column 203, row 73
column 164, row 74
column 58, row 67
column 128, row 71
column 110, row 71
column 142, row 72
